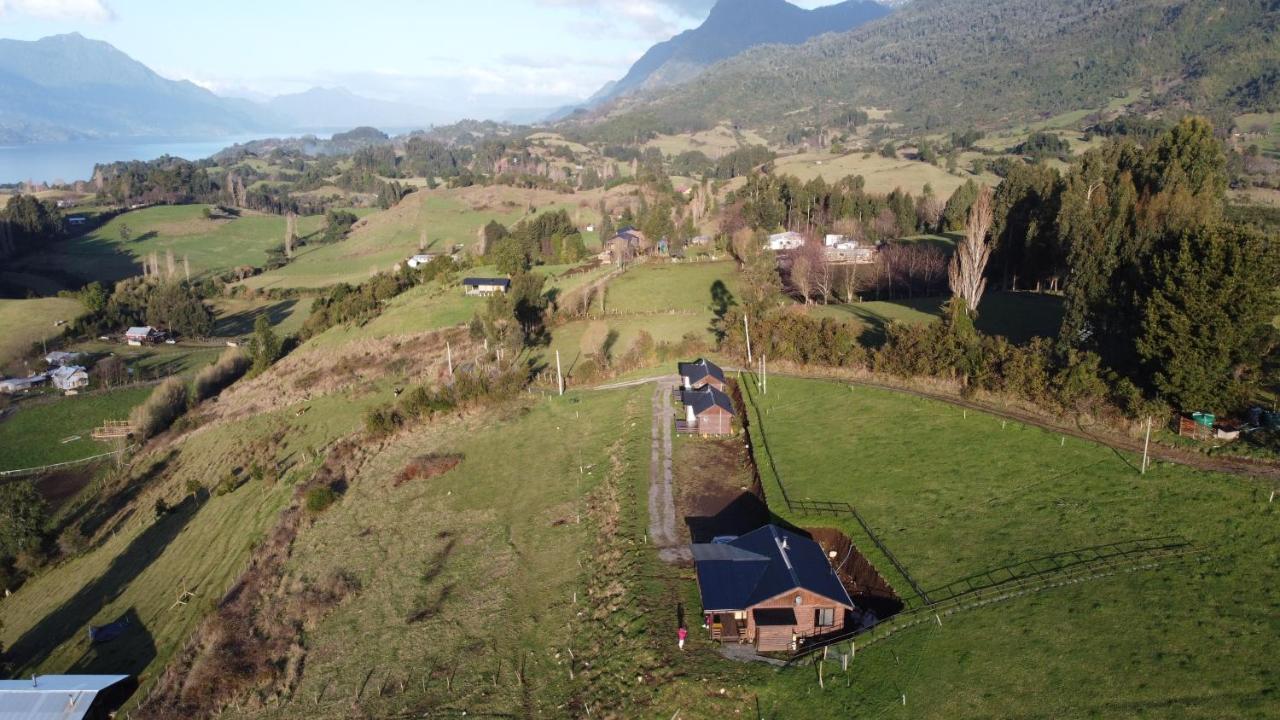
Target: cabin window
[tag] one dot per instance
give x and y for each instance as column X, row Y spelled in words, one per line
column 824, row 617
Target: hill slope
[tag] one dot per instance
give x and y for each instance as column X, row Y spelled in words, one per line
column 67, row 86
column 948, row 63
column 732, row 27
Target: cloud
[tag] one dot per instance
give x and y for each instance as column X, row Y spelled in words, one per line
column 81, row 10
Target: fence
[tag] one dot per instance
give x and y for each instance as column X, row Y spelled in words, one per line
column 1091, row 563
column 6, row 474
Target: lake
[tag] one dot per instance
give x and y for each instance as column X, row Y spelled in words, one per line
column 73, row 161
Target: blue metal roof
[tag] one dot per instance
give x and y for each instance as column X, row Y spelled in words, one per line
column 763, row 564
column 500, row 282
column 705, row 398
column 700, row 370
column 53, row 697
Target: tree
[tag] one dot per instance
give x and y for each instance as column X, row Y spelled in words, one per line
column 23, row 514
column 290, row 233
column 957, row 209
column 969, row 266
column 175, row 307
column 126, row 233
column 111, row 372
column 265, row 348
column 802, row 271
column 1206, row 322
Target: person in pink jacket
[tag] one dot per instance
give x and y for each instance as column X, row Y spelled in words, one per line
column 681, row 634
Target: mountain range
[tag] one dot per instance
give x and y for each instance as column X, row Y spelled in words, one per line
column 732, row 27
column 68, row 87
column 941, row 64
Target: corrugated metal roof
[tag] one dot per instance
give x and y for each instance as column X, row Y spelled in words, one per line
column 705, row 398
column 53, row 697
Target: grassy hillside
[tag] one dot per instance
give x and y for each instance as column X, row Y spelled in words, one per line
column 450, row 217
column 882, row 175
column 213, row 246
column 952, row 495
column 26, row 322
column 1015, row 60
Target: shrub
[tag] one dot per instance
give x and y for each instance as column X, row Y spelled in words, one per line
column 320, row 498
column 380, row 422
column 166, row 404
column 211, row 381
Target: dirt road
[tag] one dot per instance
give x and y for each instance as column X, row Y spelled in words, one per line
column 664, row 531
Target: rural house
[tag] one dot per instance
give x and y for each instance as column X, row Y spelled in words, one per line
column 70, row 377
column 65, row 697
column 702, row 372
column 782, row 242
column 483, row 287
column 420, row 260
column 62, row 359
column 707, row 412
column 142, row 335
column 770, row 588
column 17, row 385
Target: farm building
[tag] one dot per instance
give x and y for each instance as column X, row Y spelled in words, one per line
column 70, row 377
column 701, row 240
column 707, row 412
column 62, row 359
column 142, row 335
column 702, row 372
column 785, row 241
column 65, row 697
column 770, row 588
column 420, row 260
column 17, row 385
column 486, row 286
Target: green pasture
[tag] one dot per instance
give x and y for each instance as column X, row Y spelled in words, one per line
column 58, row 430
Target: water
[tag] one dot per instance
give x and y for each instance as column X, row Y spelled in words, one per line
column 73, row 161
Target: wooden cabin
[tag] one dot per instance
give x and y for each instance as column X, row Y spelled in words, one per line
column 702, row 372
column 707, row 412
column 770, row 588
column 484, row 287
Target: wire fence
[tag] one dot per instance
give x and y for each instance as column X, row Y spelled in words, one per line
column 8, row 474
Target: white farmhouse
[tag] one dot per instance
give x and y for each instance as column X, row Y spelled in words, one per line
column 785, row 241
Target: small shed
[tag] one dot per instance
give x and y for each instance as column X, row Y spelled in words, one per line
column 484, row 287
column 701, row 372
column 70, row 377
column 421, row 260
column 707, row 412
column 65, row 697
column 771, row 588
column 59, row 358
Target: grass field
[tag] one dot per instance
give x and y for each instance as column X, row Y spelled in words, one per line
column 882, row 175
column 34, row 436
column 213, row 246
column 1017, row 316
column 952, row 494
column 26, row 322
column 714, row 143
column 236, row 316
column 450, row 217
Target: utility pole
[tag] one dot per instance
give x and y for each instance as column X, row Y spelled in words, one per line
column 559, row 376
column 448, row 349
column 747, row 326
column 1146, row 448
column 764, row 361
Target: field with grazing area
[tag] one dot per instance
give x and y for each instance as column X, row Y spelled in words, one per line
column 213, row 246
column 1017, row 316
column 882, row 175
column 714, row 143
column 58, row 430
column 236, row 316
column 954, row 493
column 450, row 217
column 26, row 322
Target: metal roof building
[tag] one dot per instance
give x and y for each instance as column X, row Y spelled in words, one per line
column 64, row 697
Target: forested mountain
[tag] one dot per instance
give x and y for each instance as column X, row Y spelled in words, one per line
column 948, row 63
column 732, row 27
column 69, row 87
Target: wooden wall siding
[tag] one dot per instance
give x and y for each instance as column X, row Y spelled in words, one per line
column 804, row 617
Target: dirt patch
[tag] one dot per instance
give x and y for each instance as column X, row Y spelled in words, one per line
column 426, row 467
column 62, row 485
column 716, row 494
column 865, row 584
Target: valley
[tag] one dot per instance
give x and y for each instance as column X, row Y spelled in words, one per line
column 489, row 419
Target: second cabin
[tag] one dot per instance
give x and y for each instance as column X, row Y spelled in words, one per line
column 707, row 412
column 702, row 372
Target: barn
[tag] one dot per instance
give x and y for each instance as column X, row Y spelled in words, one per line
column 770, row 588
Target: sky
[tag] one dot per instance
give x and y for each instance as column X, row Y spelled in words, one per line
column 484, row 56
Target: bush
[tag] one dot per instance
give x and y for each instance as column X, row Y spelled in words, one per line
column 320, row 498
column 380, row 422
column 166, row 404
column 219, row 376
